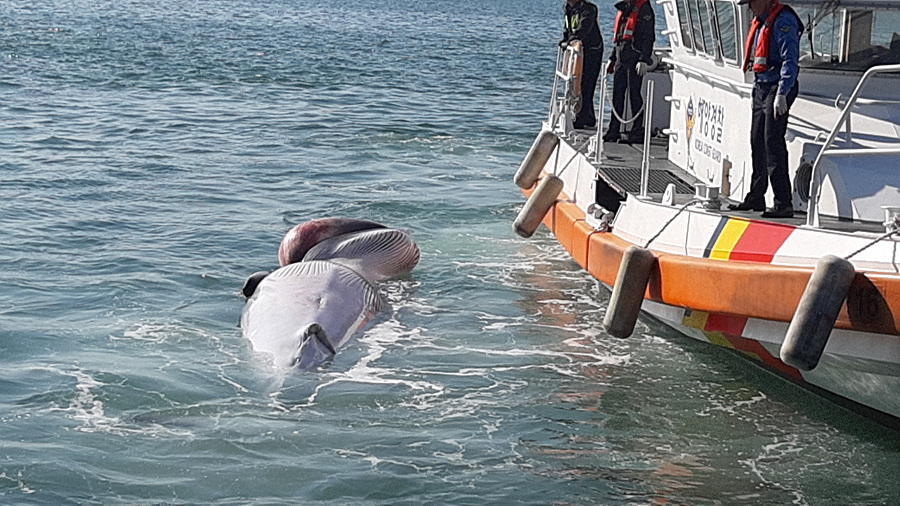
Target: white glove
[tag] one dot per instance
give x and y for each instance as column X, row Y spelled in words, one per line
column 641, row 68
column 780, row 105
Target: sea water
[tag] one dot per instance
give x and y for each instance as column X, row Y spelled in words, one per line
column 153, row 153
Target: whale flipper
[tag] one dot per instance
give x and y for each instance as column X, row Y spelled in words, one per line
column 315, row 347
column 375, row 254
column 298, row 240
column 252, row 282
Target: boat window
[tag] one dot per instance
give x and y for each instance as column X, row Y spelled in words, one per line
column 849, row 39
column 707, row 19
column 683, row 20
column 727, row 29
column 694, row 11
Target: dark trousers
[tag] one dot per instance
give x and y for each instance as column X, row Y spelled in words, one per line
column 770, row 157
column 627, row 81
column 590, row 72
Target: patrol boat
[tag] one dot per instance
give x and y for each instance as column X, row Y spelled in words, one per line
column 814, row 298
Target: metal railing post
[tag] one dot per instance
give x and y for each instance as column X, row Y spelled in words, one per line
column 554, row 108
column 603, row 84
column 648, row 121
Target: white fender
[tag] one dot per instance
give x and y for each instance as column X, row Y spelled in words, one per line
column 535, row 160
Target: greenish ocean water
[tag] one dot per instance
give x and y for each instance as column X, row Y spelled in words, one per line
column 152, row 154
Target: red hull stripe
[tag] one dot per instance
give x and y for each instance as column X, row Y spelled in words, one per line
column 728, row 324
column 725, row 330
column 760, row 242
column 747, row 241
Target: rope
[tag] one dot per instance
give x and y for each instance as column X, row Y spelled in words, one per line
column 666, row 224
column 612, row 109
column 576, row 153
column 867, row 246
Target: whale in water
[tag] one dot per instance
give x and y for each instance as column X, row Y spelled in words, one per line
column 325, row 290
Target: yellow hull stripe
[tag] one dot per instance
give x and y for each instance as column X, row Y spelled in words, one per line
column 729, row 237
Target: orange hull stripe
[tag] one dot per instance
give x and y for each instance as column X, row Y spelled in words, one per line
column 740, row 289
column 567, row 216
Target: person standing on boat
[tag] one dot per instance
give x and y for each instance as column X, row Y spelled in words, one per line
column 772, row 51
column 581, row 24
column 633, row 38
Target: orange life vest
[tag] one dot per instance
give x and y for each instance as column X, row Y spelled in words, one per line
column 626, row 32
column 761, row 57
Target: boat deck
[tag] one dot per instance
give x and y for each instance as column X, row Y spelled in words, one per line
column 621, row 170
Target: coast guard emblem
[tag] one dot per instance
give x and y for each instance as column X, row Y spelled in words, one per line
column 689, row 127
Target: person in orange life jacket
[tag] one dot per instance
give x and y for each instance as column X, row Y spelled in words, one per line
column 635, row 33
column 581, row 24
column 772, row 51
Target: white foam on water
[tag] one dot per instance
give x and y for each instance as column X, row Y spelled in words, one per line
column 776, row 453
column 25, row 489
column 150, row 332
column 87, row 408
column 376, row 341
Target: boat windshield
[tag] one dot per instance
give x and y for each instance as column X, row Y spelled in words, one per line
column 848, row 39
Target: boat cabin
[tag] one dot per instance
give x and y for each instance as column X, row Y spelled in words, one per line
column 843, row 103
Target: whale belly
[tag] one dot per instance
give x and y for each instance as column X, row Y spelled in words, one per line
column 287, row 302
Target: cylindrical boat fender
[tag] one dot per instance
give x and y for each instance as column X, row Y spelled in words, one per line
column 537, row 205
column 535, row 160
column 819, row 307
column 628, row 293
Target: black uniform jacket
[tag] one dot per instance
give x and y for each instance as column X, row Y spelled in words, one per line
column 581, row 24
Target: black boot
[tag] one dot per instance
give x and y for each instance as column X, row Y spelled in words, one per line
column 745, row 206
column 779, row 212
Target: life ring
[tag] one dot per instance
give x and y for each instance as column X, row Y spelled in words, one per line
column 573, row 65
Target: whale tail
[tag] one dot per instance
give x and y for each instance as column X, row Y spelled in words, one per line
column 315, row 347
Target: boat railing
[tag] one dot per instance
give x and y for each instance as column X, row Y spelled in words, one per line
column 596, row 143
column 743, row 89
column 563, row 101
column 815, row 187
column 645, row 158
column 562, row 105
column 564, row 97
